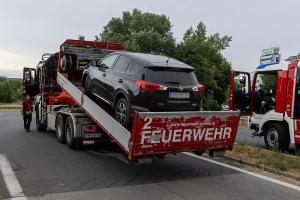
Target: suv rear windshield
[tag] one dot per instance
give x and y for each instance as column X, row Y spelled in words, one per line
column 171, row 76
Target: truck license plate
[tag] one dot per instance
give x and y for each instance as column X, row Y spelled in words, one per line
column 179, row 95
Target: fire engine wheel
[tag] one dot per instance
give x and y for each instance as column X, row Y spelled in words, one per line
column 59, row 128
column 71, row 141
column 41, row 127
column 122, row 112
column 277, row 136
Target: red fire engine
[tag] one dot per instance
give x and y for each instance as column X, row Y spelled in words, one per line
column 62, row 106
column 273, row 102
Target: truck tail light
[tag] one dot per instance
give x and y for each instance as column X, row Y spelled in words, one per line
column 94, row 129
column 90, row 128
column 198, row 88
column 146, row 86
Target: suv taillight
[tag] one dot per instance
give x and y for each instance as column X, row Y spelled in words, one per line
column 146, row 86
column 198, row 88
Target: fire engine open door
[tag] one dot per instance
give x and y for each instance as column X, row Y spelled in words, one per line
column 30, row 85
column 240, row 92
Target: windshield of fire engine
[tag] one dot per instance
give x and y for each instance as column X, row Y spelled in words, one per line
column 265, row 92
column 266, row 82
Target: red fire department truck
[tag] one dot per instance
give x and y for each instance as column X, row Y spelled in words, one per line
column 62, row 106
column 273, row 102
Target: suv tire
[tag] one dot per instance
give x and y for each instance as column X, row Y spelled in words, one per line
column 122, row 112
column 87, row 85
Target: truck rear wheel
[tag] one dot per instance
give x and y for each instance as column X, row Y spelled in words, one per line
column 59, row 128
column 41, row 127
column 277, row 136
column 71, row 141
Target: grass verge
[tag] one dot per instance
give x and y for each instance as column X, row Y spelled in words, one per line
column 11, row 106
column 265, row 158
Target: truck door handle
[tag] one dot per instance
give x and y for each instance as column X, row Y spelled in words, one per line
column 104, row 74
column 120, row 80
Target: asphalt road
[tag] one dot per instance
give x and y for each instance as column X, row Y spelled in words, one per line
column 49, row 170
column 244, row 136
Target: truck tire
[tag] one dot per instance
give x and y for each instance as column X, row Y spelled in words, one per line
column 122, row 112
column 41, row 127
column 60, row 129
column 66, row 62
column 277, row 136
column 71, row 141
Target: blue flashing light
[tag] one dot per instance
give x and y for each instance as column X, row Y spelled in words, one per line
column 263, row 66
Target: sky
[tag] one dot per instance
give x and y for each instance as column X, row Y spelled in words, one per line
column 33, row 27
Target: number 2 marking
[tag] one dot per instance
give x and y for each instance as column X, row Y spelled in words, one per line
column 148, row 121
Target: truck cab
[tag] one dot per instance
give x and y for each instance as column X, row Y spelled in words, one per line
column 272, row 100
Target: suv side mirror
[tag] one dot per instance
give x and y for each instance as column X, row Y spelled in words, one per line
column 102, row 66
column 93, row 63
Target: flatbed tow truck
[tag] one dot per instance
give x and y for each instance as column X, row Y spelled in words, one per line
column 61, row 105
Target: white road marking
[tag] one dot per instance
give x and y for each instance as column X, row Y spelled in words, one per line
column 18, row 198
column 13, row 186
column 246, row 172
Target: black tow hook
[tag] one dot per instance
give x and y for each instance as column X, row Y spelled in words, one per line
column 256, row 134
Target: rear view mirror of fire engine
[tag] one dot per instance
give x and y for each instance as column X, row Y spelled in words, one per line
column 182, row 131
column 30, row 85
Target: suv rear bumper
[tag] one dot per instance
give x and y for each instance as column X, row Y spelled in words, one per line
column 139, row 108
column 168, row 108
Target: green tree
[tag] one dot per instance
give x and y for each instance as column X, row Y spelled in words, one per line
column 140, row 32
column 204, row 53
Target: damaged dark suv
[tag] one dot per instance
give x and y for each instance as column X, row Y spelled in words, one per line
column 143, row 82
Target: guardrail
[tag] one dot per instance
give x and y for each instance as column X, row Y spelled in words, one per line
column 10, row 107
column 244, row 122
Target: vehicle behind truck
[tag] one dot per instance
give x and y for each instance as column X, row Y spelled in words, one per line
column 272, row 98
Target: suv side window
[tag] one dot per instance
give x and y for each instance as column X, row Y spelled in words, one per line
column 133, row 68
column 122, row 63
column 109, row 61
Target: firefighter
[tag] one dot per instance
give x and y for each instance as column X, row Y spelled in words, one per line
column 268, row 101
column 27, row 112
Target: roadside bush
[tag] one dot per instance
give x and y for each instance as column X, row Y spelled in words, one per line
column 10, row 90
